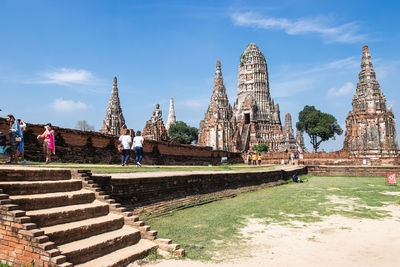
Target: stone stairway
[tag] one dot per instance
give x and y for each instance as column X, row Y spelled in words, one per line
column 72, row 222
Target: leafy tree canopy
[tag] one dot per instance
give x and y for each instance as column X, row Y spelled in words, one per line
column 84, row 126
column 182, row 133
column 261, row 148
column 318, row 125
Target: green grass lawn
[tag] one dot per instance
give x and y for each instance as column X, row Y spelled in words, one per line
column 216, row 226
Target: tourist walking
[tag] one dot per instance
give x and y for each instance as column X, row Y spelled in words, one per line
column 138, row 147
column 259, row 159
column 249, row 159
column 14, row 138
column 48, row 142
column 126, row 142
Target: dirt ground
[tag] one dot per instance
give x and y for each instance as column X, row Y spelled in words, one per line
column 336, row 241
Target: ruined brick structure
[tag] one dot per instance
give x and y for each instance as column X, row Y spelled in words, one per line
column 114, row 120
column 300, row 141
column 155, row 129
column 370, row 126
column 288, row 141
column 254, row 119
column 94, row 147
column 216, row 129
column 171, row 114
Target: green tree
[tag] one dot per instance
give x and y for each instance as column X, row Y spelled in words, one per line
column 318, row 125
column 261, row 148
column 84, row 126
column 182, row 133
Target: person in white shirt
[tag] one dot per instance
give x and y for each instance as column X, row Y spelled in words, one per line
column 126, row 142
column 138, row 147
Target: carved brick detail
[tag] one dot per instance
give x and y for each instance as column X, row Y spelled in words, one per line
column 370, row 126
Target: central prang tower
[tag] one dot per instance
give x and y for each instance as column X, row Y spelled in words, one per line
column 255, row 115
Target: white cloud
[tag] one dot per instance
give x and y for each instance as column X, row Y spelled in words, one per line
column 345, row 33
column 62, row 105
column 66, row 76
column 346, row 89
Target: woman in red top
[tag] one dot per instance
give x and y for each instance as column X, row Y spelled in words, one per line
column 48, row 143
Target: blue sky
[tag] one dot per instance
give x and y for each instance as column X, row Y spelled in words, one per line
column 58, row 58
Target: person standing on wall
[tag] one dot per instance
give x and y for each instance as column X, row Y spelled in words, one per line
column 126, row 142
column 48, row 142
column 138, row 147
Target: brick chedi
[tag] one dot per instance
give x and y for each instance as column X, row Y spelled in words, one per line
column 256, row 117
column 114, row 120
column 370, row 125
column 288, row 141
column 171, row 114
column 300, row 141
column 216, row 129
column 155, row 129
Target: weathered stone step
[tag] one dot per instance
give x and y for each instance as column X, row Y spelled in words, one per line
column 40, row 187
column 53, row 216
column 90, row 248
column 52, row 200
column 123, row 256
column 69, row 232
column 34, row 175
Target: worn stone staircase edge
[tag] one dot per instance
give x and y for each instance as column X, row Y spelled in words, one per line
column 22, row 242
column 146, row 233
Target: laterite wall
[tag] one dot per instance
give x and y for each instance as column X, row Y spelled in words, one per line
column 93, row 147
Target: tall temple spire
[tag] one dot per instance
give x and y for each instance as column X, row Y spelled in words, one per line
column 171, row 114
column 368, row 95
column 114, row 120
column 256, row 114
column 216, row 128
column 370, row 126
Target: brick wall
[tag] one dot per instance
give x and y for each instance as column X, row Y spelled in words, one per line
column 21, row 243
column 353, row 170
column 94, row 147
column 137, row 192
column 322, row 158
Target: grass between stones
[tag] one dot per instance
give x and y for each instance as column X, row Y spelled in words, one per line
column 210, row 231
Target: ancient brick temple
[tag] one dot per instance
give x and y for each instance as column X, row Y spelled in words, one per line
column 288, row 141
column 216, row 130
column 370, row 126
column 300, row 141
column 114, row 120
column 155, row 129
column 254, row 119
column 171, row 114
column 255, row 116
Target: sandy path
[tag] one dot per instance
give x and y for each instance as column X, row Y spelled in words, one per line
column 336, row 241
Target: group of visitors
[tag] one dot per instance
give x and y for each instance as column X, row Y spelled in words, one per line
column 15, row 149
column 253, row 158
column 15, row 145
column 127, row 144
